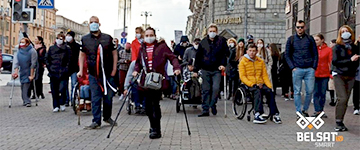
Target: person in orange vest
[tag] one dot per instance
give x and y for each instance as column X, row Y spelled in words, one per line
column 136, row 44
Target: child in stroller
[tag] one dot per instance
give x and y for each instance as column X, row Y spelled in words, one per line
column 190, row 89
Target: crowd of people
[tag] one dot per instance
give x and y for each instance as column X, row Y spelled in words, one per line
column 103, row 68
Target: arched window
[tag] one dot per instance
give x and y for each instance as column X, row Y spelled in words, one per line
column 347, row 13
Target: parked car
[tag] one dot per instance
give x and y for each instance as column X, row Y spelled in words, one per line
column 7, row 60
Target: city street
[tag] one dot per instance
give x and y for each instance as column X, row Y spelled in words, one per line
column 40, row 128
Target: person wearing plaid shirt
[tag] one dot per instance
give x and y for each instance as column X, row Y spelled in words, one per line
column 124, row 61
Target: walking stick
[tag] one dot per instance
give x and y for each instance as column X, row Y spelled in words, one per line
column 224, row 74
column 36, row 96
column 11, row 94
column 122, row 105
column 187, row 123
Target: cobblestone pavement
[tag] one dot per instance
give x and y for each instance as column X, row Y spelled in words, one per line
column 39, row 128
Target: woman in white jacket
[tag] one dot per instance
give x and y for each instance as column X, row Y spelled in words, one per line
column 265, row 54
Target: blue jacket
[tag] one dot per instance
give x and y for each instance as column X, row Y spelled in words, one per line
column 26, row 59
column 302, row 52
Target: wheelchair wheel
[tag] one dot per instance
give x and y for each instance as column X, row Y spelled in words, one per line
column 178, row 105
column 239, row 103
column 75, row 98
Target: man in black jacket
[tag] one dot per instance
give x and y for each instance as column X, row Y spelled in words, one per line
column 211, row 59
column 74, row 67
column 181, row 47
column 302, row 57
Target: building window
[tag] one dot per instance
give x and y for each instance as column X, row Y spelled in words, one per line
column 7, row 26
column 307, row 16
column 6, row 40
column 260, row 4
column 230, row 4
column 295, row 16
column 13, row 41
column 347, row 13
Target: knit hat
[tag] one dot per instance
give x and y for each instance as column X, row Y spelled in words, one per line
column 71, row 33
column 184, row 38
column 241, row 40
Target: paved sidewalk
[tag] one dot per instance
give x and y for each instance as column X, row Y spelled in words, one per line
column 39, row 128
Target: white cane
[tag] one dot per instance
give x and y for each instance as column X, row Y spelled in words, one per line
column 224, row 74
column 11, row 94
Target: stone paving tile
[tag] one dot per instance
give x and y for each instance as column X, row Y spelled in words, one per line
column 38, row 128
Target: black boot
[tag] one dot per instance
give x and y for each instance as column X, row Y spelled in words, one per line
column 155, row 134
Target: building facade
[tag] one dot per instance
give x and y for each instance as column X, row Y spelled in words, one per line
column 64, row 25
column 322, row 16
column 37, row 28
column 264, row 19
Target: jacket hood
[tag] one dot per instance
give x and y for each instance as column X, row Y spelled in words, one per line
column 248, row 57
column 184, row 39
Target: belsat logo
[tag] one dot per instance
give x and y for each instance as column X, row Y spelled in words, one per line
column 321, row 139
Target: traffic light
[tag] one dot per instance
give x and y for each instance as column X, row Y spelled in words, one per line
column 20, row 12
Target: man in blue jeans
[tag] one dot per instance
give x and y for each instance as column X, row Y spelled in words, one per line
column 101, row 59
column 302, row 57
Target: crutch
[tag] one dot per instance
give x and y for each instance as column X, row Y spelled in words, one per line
column 11, row 94
column 224, row 74
column 122, row 105
column 36, row 96
column 187, row 123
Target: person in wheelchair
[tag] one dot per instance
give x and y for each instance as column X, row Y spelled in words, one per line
column 192, row 82
column 253, row 74
column 84, row 84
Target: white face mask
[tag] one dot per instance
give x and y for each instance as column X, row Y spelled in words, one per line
column 196, row 46
column 138, row 36
column 212, row 34
column 346, row 35
column 184, row 44
column 59, row 41
column 260, row 45
column 150, row 40
column 231, row 45
column 68, row 38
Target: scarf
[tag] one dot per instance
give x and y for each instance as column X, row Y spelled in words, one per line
column 347, row 43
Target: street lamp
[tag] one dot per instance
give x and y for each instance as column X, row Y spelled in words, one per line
column 146, row 14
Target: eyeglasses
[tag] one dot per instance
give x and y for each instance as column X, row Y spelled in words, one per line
column 299, row 27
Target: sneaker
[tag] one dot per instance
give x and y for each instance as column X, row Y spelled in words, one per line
column 56, row 109
column 67, row 105
column 42, row 96
column 137, row 110
column 111, row 122
column 286, row 96
column 356, row 112
column 305, row 114
column 204, row 114
column 312, row 101
column 28, row 105
column 93, row 125
column 258, row 119
column 292, row 96
column 33, row 97
column 340, row 127
column 62, row 107
column 121, row 97
column 277, row 119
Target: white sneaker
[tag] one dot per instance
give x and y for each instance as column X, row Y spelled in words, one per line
column 121, row 97
column 312, row 101
column 56, row 109
column 356, row 112
column 62, row 107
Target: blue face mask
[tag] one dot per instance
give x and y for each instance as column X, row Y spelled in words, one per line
column 94, row 27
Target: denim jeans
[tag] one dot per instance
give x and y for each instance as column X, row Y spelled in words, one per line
column 85, row 92
column 73, row 81
column 320, row 93
column 58, row 91
column 173, row 85
column 137, row 96
column 308, row 75
column 96, row 95
column 210, row 88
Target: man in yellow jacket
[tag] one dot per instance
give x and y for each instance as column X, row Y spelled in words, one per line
column 253, row 74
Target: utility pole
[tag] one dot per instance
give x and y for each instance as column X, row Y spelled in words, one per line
column 146, row 14
column 124, row 14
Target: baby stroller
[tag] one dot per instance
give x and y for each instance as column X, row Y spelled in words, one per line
column 190, row 93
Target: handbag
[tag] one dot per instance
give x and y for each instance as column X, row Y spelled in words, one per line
column 153, row 80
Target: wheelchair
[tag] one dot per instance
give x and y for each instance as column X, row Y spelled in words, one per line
column 243, row 100
column 75, row 99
